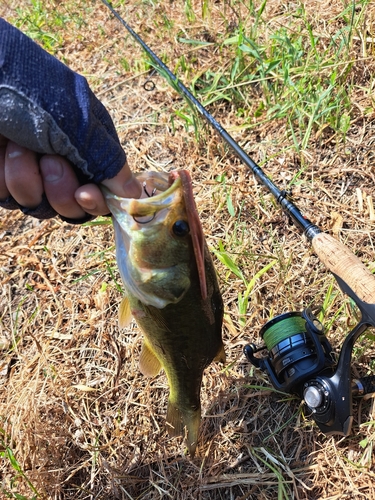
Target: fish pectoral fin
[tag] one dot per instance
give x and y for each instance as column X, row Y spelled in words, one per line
column 220, row 356
column 149, row 364
column 178, row 421
column 124, row 313
column 157, row 317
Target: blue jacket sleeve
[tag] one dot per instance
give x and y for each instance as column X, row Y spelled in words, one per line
column 50, row 109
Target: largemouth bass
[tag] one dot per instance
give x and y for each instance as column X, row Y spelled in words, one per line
column 171, row 291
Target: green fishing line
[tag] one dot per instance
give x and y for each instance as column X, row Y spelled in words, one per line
column 283, row 329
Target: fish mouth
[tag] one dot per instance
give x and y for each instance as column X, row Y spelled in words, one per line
column 163, row 196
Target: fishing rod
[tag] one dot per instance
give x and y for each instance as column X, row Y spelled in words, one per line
column 299, row 357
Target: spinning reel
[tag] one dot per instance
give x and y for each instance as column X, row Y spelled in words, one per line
column 300, row 361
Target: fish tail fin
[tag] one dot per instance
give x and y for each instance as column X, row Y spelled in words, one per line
column 220, row 356
column 179, row 421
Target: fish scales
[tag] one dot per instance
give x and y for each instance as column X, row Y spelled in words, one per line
column 171, row 291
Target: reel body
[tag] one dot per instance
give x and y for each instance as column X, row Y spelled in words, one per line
column 297, row 350
column 300, row 361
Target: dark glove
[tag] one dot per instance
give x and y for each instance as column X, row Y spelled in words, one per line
column 46, row 107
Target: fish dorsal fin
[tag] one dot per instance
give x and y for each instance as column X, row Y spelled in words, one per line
column 149, row 364
column 124, row 313
column 196, row 230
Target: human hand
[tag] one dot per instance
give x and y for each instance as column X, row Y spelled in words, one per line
column 25, row 176
column 55, row 113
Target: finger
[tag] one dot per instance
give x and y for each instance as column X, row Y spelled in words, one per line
column 22, row 175
column 60, row 183
column 124, row 184
column 4, row 191
column 92, row 201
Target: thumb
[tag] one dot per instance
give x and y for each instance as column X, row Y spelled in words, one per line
column 124, row 184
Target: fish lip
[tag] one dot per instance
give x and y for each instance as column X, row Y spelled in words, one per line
column 150, row 219
column 144, row 206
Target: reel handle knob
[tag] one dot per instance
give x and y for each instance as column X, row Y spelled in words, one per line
column 313, row 397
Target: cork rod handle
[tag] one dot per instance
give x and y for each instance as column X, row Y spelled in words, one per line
column 341, row 261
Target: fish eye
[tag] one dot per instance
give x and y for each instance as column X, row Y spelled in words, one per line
column 180, row 228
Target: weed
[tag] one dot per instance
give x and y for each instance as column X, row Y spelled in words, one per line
column 46, row 25
column 6, row 453
column 276, row 467
column 243, row 297
column 297, row 79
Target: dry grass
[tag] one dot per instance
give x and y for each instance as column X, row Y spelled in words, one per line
column 80, row 420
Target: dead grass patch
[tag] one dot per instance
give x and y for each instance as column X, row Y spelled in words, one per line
column 74, row 410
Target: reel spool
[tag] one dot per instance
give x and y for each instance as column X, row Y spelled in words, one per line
column 297, row 350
